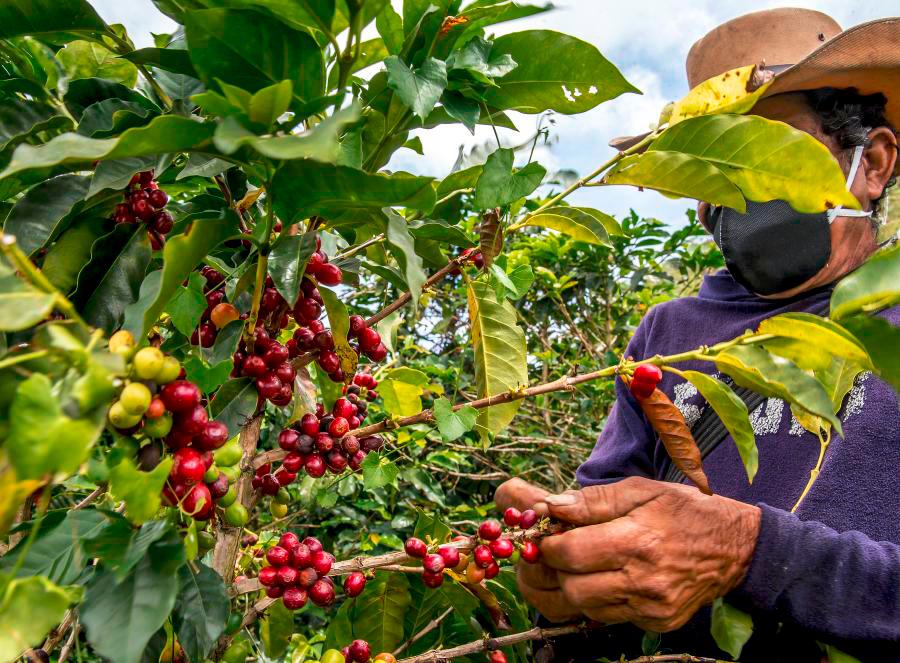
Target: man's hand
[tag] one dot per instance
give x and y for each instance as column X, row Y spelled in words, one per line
column 646, row 552
column 538, row 583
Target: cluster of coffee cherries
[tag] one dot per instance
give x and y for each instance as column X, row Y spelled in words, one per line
column 491, row 547
column 266, row 361
column 145, row 203
column 644, row 381
column 320, row 442
column 297, row 571
column 311, row 336
column 218, row 312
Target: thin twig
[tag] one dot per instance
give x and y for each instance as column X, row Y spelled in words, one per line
column 70, row 643
column 429, row 627
column 97, row 492
column 675, row 658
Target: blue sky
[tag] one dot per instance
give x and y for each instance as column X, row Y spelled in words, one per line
column 647, row 39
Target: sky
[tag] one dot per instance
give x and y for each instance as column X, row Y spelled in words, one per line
column 647, row 40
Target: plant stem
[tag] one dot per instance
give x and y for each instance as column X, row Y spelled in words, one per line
column 429, row 627
column 18, row 359
column 352, row 251
column 262, row 268
column 814, row 473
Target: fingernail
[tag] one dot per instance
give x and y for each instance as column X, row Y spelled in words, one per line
column 566, row 499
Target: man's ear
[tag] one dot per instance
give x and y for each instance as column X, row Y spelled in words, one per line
column 879, row 159
column 703, row 214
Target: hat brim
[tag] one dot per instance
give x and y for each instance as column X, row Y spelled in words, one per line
column 865, row 57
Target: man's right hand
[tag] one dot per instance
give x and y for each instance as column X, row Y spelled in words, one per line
column 537, row 582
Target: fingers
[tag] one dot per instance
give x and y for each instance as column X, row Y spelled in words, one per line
column 519, row 494
column 551, row 603
column 600, row 504
column 602, row 596
column 603, row 547
column 539, row 576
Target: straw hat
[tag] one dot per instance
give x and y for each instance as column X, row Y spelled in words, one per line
column 806, row 50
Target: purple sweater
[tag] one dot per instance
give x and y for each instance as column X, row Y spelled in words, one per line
column 832, row 571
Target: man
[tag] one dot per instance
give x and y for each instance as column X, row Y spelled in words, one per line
column 656, row 554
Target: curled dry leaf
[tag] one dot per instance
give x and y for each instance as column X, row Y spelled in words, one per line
column 491, row 235
column 676, row 437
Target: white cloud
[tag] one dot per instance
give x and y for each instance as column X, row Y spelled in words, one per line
column 140, row 18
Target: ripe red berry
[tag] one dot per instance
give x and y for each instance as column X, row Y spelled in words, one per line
column 192, row 421
column 254, row 366
column 530, row 552
column 162, row 222
column 309, row 424
column 329, row 274
column 180, row 396
column 357, row 324
column 294, row 598
column 292, row 462
column 350, row 444
column 268, row 386
column 322, row 593
column 188, row 467
column 316, row 326
column 307, row 577
column 450, row 555
column 372, row 442
column 287, row 575
column 315, row 262
column 301, row 557
column 641, row 390
column 158, row 198
column 219, row 487
column 490, row 529
column 336, row 461
column 648, row 373
column 274, row 592
column 285, row 477
column 288, row 438
column 268, row 576
column 483, row 556
column 342, row 408
column 529, row 518
column 307, row 309
column 497, row 657
column 322, row 561
column 288, row 541
column 338, row 427
column 359, row 651
column 329, row 361
column 502, row 548
column 313, row 544
column 315, row 466
column 512, row 517
column 369, row 339
column 433, row 563
column 275, row 355
column 198, row 502
column 432, row 580
column 213, row 436
column 415, row 547
column 491, row 571
column 261, row 340
column 286, row 373
column 305, row 444
column 378, row 353
column 269, row 484
column 142, row 208
column 324, row 340
column 354, row 584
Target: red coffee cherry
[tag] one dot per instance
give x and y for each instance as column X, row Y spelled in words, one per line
column 268, row 576
column 483, row 556
column 287, row 575
column 530, row 552
column 288, row 438
column 288, row 541
column 214, row 435
column 502, row 548
column 329, row 274
column 322, row 593
column 490, row 530
column 294, row 598
column 432, row 580
column 512, row 517
column 450, row 555
column 180, row 396
column 369, row 339
column 415, row 547
column 301, row 557
column 433, row 563
column 529, row 518
column 354, row 584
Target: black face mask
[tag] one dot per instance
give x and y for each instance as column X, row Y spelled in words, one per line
column 772, row 248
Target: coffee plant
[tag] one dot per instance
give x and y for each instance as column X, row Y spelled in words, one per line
column 252, row 380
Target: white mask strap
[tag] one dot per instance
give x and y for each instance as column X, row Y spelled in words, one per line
column 854, row 166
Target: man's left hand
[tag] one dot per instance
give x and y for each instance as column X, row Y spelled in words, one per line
column 648, row 552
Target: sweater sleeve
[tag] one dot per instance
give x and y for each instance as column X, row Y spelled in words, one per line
column 842, row 586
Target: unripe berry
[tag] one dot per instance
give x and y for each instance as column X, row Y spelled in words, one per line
column 529, row 518
column 354, row 584
column 489, row 530
column 502, row 548
column 294, row 598
column 171, row 370
column 147, row 363
column 223, row 314
column 512, row 517
column 277, row 556
column 415, row 547
column 530, row 552
column 135, row 398
column 322, row 593
column 122, row 342
column 483, row 556
column 474, row 573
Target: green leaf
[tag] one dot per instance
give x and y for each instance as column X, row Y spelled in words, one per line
column 302, row 188
column 817, row 332
column 89, row 59
column 58, row 551
column 733, row 413
column 500, row 356
column 181, row 255
column 773, row 376
column 870, row 288
column 176, row 60
column 835, row 655
column 275, row 630
column 42, row 440
column 226, row 342
column 419, row 88
column 401, row 391
column 269, row 103
column 461, row 180
column 117, row 174
column 800, row 170
column 234, row 403
column 21, row 119
column 32, row 17
column 500, row 184
column 376, row 616
column 404, row 250
column 476, row 57
column 521, row 277
column 431, row 526
column 188, row 305
column 208, row 377
column 121, row 547
column 111, row 280
column 201, row 610
column 379, row 471
column 21, row 305
column 120, row 618
column 390, row 27
column 339, row 323
column 29, row 608
column 319, row 143
column 39, row 215
column 881, row 339
column 167, row 133
column 200, row 165
column 139, row 490
column 731, row 628
column 252, row 51
column 555, row 72
column 112, row 116
column 441, row 231
column 581, row 223
column 729, row 92
column 71, row 252
column 677, row 175
column 453, row 425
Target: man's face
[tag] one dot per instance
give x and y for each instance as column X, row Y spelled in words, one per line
column 852, row 238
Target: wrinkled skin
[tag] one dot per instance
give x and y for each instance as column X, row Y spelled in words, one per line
column 642, row 551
